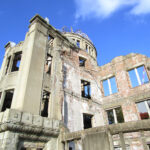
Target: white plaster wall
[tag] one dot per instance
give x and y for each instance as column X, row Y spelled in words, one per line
column 95, row 91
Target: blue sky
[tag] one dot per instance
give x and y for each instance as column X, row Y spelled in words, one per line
column 116, row 27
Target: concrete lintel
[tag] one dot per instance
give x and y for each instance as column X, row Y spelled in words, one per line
column 37, row 17
column 114, row 129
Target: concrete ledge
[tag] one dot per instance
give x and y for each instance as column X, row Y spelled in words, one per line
column 28, row 125
column 126, row 127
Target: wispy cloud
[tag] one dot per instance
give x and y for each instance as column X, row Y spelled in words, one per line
column 143, row 7
column 105, row 8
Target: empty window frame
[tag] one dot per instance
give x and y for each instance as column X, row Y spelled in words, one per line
column 86, row 48
column 45, row 103
column 138, row 76
column 7, row 99
column 119, row 148
column 144, row 109
column 71, row 145
column 50, row 40
column 82, row 62
column 115, row 115
column 7, row 66
column 16, row 61
column 78, row 43
column 109, row 86
column 48, row 64
column 89, row 50
column 87, row 121
column 85, row 89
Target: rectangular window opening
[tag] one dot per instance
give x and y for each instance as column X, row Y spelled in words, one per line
column 50, row 40
column 8, row 62
column 48, row 64
column 119, row 115
column 23, row 148
column 110, row 116
column 28, row 148
column 117, row 148
column 82, row 62
column 144, row 109
column 45, row 103
column 16, row 61
column 8, row 99
column 78, row 43
column 87, row 121
column 71, row 145
column 115, row 115
column 86, row 47
column 85, row 89
column 110, row 86
column 138, row 76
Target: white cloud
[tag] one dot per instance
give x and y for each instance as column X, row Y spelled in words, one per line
column 143, row 7
column 104, row 8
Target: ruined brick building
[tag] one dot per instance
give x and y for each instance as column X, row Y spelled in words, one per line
column 54, row 96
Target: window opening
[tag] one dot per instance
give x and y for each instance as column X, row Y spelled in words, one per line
column 87, row 121
column 78, row 43
column 89, row 50
column 144, row 109
column 92, row 51
column 23, row 148
column 8, row 62
column 110, row 86
column 86, row 47
column 117, row 148
column 28, row 148
column 48, row 64
column 71, row 145
column 138, row 76
column 50, row 40
column 8, row 99
column 16, row 61
column 81, row 62
column 85, row 89
column 45, row 103
column 115, row 115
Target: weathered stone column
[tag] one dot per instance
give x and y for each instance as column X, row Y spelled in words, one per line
column 110, row 140
column 5, row 61
column 27, row 94
column 57, row 82
column 52, row 144
column 122, row 141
